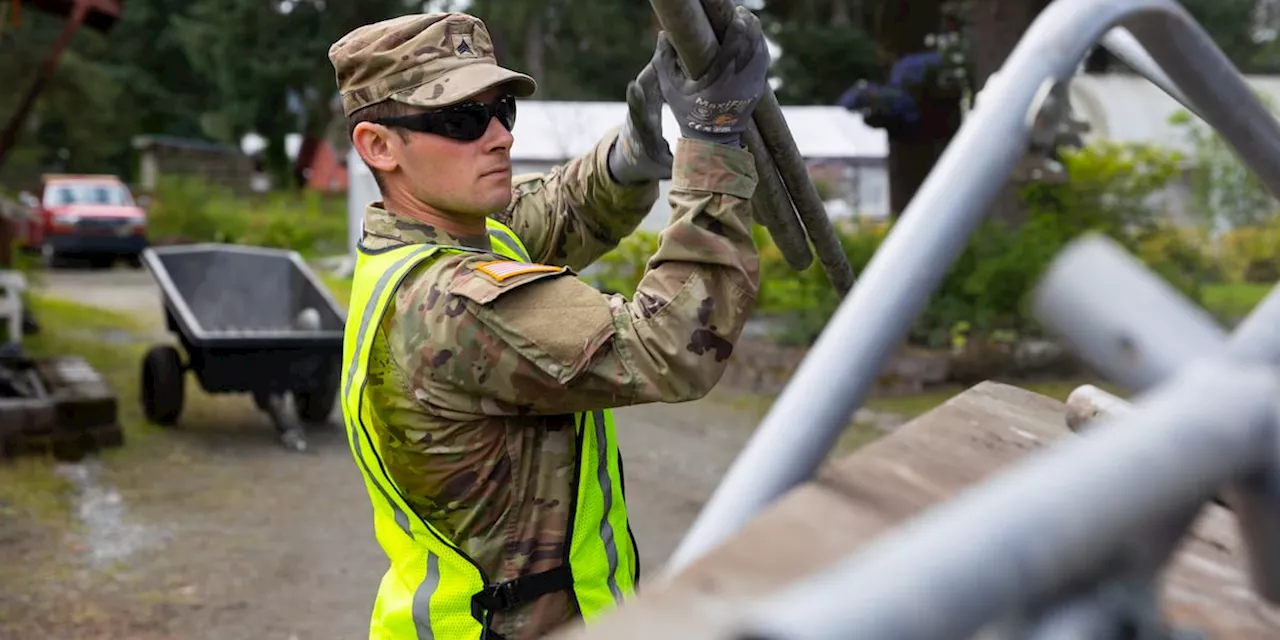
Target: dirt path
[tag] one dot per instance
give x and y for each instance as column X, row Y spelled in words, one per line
column 118, row 289
column 222, row 534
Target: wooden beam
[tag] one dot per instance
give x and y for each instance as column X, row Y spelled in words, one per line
column 922, row 464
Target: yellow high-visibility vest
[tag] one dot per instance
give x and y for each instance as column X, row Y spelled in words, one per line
column 433, row 590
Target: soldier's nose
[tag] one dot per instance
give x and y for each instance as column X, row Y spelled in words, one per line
column 496, row 137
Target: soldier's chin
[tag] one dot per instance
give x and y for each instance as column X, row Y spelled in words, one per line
column 497, row 201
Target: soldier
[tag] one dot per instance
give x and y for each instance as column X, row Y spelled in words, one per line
column 480, row 372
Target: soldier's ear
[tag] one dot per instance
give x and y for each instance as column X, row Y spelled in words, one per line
column 375, row 144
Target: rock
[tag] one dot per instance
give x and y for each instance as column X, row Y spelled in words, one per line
column 762, row 366
column 1032, row 358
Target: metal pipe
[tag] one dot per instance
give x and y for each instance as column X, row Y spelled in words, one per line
column 1214, row 85
column 1122, row 319
column 1082, row 618
column 696, row 43
column 1257, row 338
column 1053, row 520
column 771, row 206
column 833, row 380
column 781, row 146
column 807, row 418
column 1135, row 328
column 787, row 203
column 1124, row 46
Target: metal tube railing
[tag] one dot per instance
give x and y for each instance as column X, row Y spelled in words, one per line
column 806, row 419
column 1133, row 327
column 1043, row 527
column 1124, row 46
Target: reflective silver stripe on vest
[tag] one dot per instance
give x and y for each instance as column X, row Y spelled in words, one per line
column 510, row 241
column 422, row 598
column 366, row 318
column 606, row 489
column 401, row 517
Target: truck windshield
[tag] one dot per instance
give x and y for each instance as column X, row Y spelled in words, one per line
column 88, row 193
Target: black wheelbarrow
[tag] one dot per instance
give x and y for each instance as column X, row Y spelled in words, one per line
column 249, row 319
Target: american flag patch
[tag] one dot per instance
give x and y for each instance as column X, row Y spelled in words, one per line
column 502, row 269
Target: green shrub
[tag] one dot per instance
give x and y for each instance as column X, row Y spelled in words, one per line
column 190, row 209
column 805, row 300
column 620, row 270
column 984, row 293
column 1251, row 253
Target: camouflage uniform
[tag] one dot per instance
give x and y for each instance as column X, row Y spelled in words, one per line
column 481, row 376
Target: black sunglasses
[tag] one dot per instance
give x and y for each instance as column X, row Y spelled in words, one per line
column 465, row 122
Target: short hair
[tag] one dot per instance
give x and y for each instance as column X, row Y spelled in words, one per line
column 377, row 111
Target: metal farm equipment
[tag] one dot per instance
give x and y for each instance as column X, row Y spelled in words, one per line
column 249, row 319
column 1069, row 542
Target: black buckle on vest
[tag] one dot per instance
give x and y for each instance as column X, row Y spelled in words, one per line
column 503, row 596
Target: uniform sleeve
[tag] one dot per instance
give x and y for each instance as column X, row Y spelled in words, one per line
column 575, row 213
column 511, row 339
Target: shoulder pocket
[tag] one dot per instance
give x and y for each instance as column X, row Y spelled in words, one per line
column 558, row 326
column 485, row 281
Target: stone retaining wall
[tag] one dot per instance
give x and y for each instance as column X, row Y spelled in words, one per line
column 762, row 366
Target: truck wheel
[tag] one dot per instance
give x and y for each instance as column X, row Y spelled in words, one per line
column 162, row 385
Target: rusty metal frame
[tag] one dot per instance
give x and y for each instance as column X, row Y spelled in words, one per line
column 80, row 11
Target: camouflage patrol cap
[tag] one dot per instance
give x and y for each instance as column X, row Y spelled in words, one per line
column 423, row 59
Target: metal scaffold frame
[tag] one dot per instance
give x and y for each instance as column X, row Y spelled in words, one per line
column 1069, row 543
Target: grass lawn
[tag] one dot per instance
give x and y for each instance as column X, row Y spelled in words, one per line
column 339, row 287
column 1234, row 300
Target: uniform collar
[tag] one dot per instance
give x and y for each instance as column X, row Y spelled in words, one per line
column 383, row 230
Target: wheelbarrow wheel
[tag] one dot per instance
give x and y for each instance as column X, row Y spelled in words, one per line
column 314, row 406
column 162, row 385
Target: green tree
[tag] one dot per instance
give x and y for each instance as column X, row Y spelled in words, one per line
column 267, row 65
column 825, row 46
column 68, row 127
column 575, row 50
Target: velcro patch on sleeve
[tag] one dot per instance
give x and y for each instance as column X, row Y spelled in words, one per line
column 500, row 270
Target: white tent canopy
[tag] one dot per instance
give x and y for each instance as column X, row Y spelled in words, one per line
column 556, row 131
column 1129, row 108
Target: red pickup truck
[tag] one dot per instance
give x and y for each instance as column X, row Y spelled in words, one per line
column 90, row 216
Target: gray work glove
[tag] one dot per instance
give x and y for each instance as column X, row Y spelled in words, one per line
column 641, row 154
column 718, row 105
